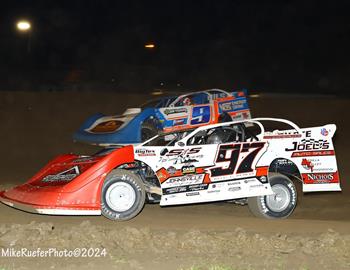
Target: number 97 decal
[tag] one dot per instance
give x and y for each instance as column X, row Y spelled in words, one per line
column 240, row 158
column 200, row 115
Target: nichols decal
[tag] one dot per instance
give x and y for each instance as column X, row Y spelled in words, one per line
column 319, row 178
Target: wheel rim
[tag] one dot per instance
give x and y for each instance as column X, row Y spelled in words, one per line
column 120, row 196
column 280, row 200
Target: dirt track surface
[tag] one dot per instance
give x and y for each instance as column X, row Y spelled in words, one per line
column 38, row 126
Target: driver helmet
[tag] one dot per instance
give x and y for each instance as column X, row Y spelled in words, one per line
column 187, row 101
column 218, row 136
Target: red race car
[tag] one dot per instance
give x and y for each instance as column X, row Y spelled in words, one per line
column 240, row 160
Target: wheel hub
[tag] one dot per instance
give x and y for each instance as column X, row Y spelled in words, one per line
column 120, row 196
column 280, row 200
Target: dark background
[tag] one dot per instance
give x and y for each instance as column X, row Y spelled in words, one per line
column 264, row 46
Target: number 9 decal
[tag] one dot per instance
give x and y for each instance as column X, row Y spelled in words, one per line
column 200, row 115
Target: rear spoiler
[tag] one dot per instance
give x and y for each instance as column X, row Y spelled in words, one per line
column 240, row 93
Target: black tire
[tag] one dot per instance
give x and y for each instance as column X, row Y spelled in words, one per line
column 225, row 117
column 117, row 182
column 148, row 130
column 262, row 206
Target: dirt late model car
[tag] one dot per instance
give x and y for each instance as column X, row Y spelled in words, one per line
column 242, row 160
column 168, row 114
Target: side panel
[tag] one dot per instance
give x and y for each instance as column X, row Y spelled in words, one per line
column 204, row 173
column 312, row 152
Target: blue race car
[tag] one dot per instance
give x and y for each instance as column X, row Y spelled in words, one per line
column 166, row 114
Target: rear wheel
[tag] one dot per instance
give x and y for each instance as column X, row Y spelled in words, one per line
column 148, row 130
column 122, row 195
column 281, row 204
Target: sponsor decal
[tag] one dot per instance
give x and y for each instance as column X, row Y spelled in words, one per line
column 145, row 152
column 238, row 104
column 162, row 177
column 282, row 136
column 319, row 178
column 174, row 190
column 181, row 152
column 232, row 189
column 307, row 164
column 234, row 183
column 198, row 187
column 180, row 156
column 238, row 116
column 226, row 106
column 188, row 169
column 175, row 111
column 84, row 159
column 314, row 165
column 309, row 144
column 183, row 180
column 217, row 185
column 64, row 176
column 189, row 188
column 178, row 122
column 171, row 170
column 192, row 194
column 169, row 137
column 313, row 153
column 307, row 133
column 284, row 162
column 213, row 191
column 233, row 105
column 256, row 186
column 324, row 132
column 249, row 180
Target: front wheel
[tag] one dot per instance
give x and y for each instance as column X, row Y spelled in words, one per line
column 122, row 196
column 281, row 204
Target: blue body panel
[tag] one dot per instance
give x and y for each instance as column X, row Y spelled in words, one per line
column 129, row 134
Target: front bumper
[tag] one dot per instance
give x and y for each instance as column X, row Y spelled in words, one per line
column 20, row 198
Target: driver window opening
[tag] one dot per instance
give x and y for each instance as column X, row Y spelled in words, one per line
column 194, row 99
column 236, row 133
column 219, row 135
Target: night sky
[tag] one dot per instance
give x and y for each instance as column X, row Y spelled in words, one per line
column 266, row 46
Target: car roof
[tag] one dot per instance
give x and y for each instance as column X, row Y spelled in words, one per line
column 254, row 120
